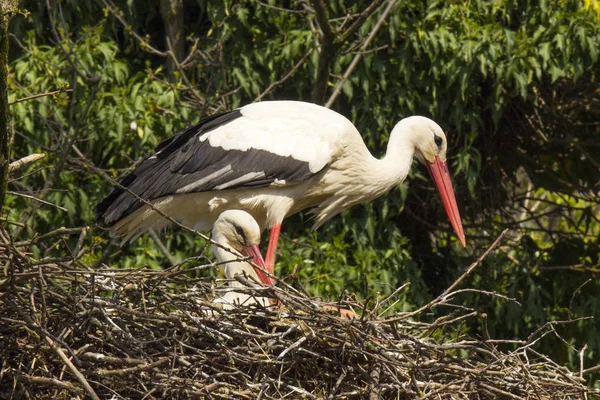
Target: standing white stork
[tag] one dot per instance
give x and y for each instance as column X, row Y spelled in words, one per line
column 237, row 230
column 272, row 159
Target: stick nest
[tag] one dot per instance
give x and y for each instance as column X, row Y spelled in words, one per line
column 68, row 331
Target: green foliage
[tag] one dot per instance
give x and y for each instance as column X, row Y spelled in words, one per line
column 514, row 83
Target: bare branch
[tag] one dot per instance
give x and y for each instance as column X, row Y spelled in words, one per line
column 37, row 199
column 17, row 165
column 359, row 21
column 35, row 96
column 73, row 369
column 449, row 290
column 285, row 77
column 357, row 57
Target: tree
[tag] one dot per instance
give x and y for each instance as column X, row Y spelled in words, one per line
column 8, row 8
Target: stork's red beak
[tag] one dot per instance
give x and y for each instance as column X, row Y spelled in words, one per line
column 439, row 171
column 254, row 252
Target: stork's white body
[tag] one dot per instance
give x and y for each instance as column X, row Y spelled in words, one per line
column 345, row 171
column 272, row 159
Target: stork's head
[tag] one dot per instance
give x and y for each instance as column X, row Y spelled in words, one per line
column 427, row 138
column 429, row 143
column 239, row 230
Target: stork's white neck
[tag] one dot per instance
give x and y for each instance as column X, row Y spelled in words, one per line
column 232, row 267
column 394, row 167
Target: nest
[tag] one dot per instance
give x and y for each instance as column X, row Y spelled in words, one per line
column 70, row 331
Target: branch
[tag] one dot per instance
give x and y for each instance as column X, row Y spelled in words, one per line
column 326, row 54
column 361, row 18
column 357, row 57
column 114, row 10
column 36, row 199
column 17, row 165
column 73, row 369
column 442, row 296
column 8, row 8
column 285, row 77
column 162, row 247
column 35, row 96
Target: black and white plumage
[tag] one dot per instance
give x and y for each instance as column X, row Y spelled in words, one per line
column 272, row 159
column 192, row 162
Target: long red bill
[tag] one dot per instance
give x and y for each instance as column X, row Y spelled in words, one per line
column 439, row 171
column 254, row 252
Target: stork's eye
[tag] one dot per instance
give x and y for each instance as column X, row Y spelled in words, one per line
column 240, row 231
column 438, row 141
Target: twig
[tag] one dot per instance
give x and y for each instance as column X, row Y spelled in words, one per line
column 357, row 57
column 293, row 346
column 575, row 293
column 114, row 10
column 16, row 165
column 287, row 10
column 162, row 247
column 73, row 369
column 337, row 385
column 500, row 391
column 36, row 199
column 442, row 296
column 581, row 354
column 375, row 389
column 39, row 380
column 19, row 224
column 285, row 77
column 359, row 21
column 35, row 96
column 591, row 370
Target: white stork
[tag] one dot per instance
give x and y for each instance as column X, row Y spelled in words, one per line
column 272, row 159
column 237, row 230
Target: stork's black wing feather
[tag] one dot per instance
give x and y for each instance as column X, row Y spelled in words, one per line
column 184, row 164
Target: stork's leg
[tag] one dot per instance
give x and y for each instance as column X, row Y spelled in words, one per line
column 273, row 240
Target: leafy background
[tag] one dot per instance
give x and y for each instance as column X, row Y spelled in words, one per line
column 514, row 84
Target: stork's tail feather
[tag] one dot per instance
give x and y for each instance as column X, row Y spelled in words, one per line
column 140, row 221
column 327, row 210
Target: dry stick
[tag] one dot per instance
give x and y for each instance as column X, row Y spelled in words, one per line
column 73, row 369
column 16, row 165
column 35, row 96
column 36, row 199
column 500, row 391
column 337, row 385
column 374, row 392
column 581, row 353
column 456, row 282
column 357, row 57
column 38, row 380
column 575, row 293
column 391, row 296
column 591, row 370
column 162, row 247
column 285, row 77
column 293, row 346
